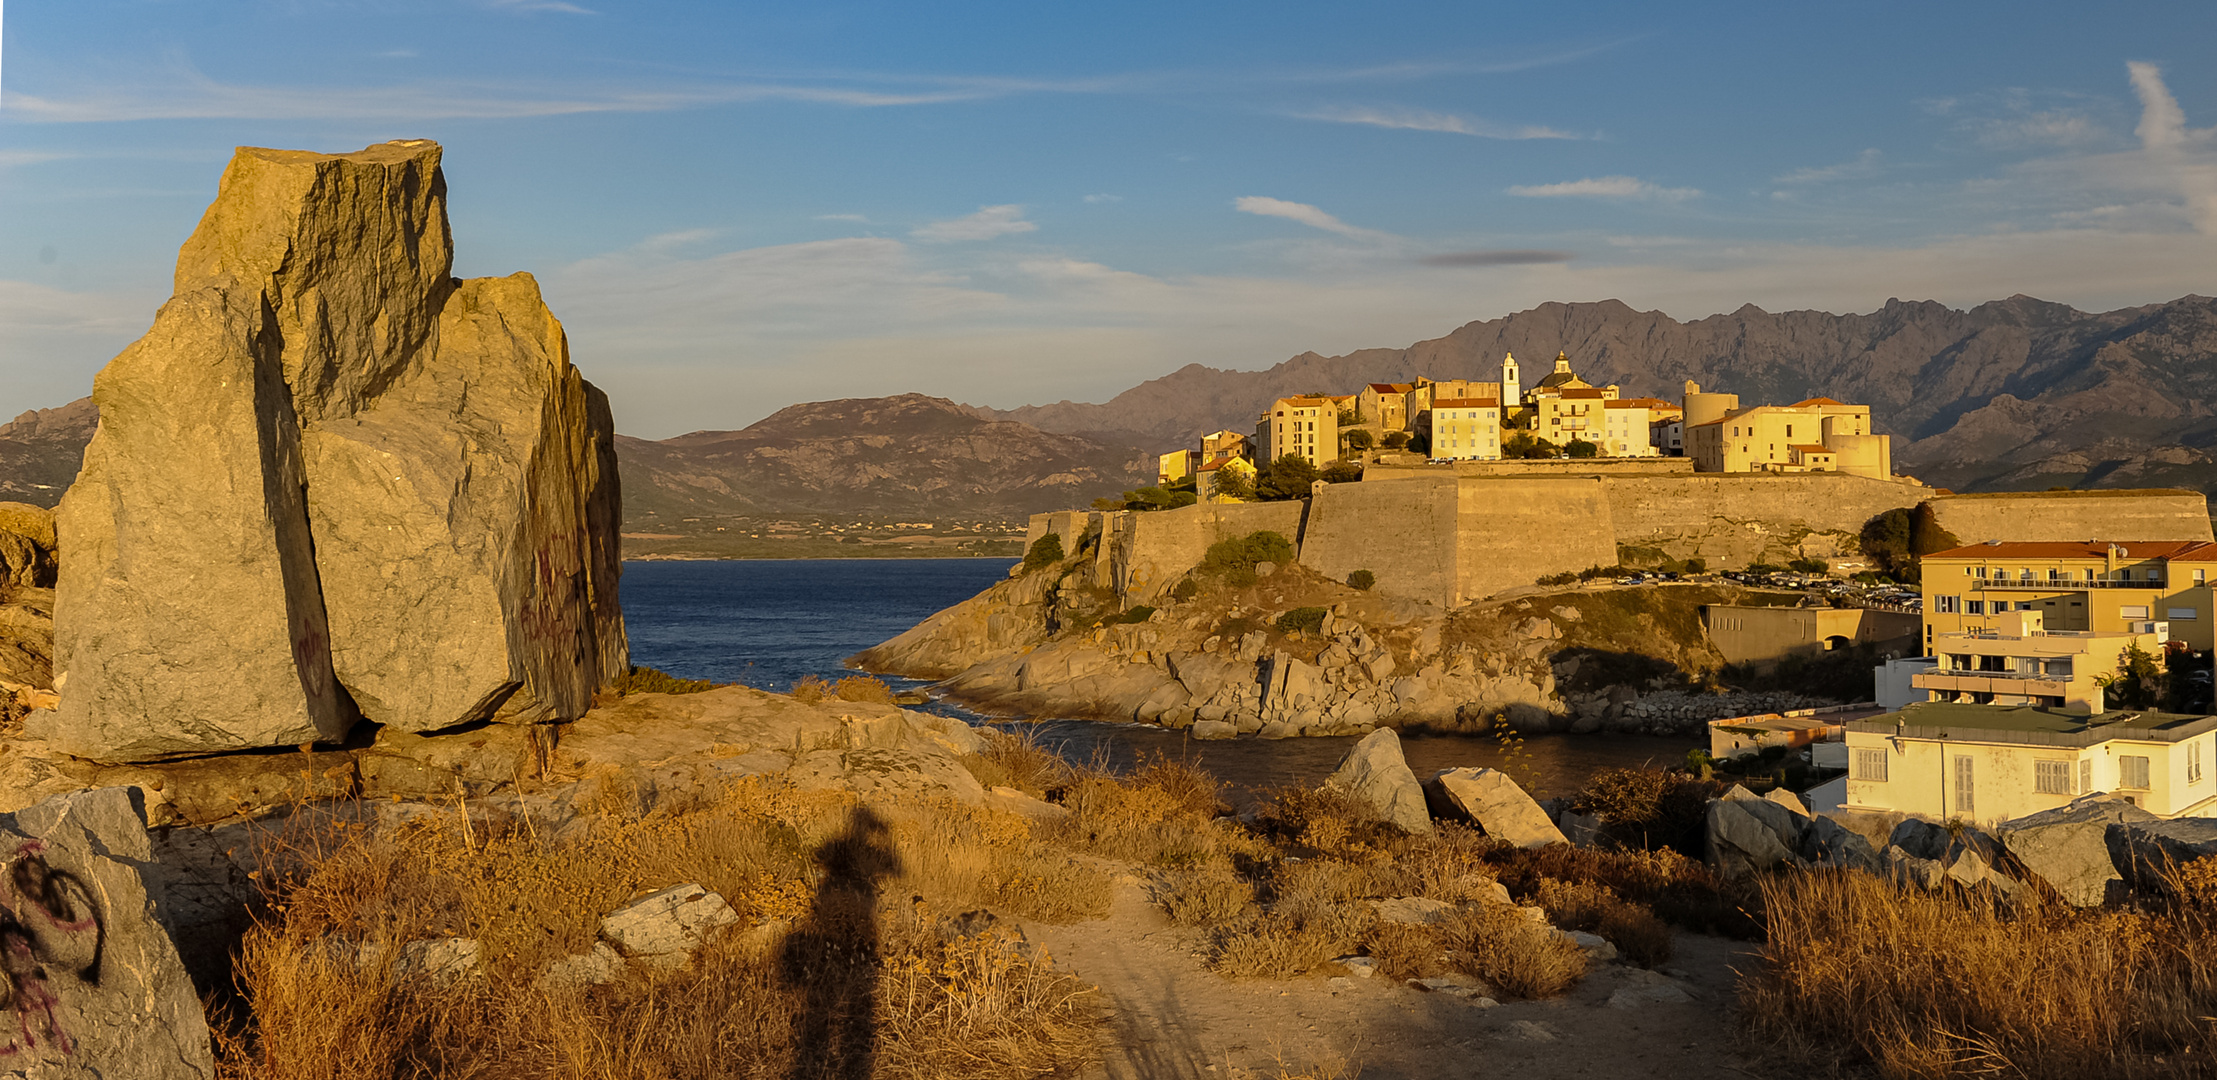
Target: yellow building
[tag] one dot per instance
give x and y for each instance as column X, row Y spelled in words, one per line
column 1209, row 487
column 1176, row 465
column 1817, row 435
column 1628, row 426
column 1308, row 426
column 1561, row 380
column 1988, row 763
column 1218, row 447
column 1571, row 414
column 2148, row 587
column 1424, row 392
column 2023, row 663
column 1465, row 429
column 1384, row 404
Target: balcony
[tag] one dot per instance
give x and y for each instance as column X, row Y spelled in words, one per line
column 1958, row 681
column 2068, row 584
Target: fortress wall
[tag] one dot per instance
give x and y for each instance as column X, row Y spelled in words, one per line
column 1404, row 531
column 1512, row 532
column 1733, row 519
column 2074, row 515
column 1551, row 468
column 1153, row 549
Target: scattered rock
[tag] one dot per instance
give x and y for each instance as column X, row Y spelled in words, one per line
column 1374, row 772
column 2145, row 852
column 1581, row 830
column 1596, row 947
column 1361, row 967
column 664, row 928
column 1532, row 1031
column 1412, row 909
column 1214, row 729
column 1495, row 802
column 2068, row 847
column 1829, row 843
column 1746, row 833
column 93, row 980
column 596, row 968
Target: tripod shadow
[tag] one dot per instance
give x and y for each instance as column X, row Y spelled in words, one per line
column 832, row 959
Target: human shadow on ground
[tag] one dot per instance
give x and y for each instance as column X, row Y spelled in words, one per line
column 832, row 959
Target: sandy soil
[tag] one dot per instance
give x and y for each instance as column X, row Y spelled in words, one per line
column 1169, row 1016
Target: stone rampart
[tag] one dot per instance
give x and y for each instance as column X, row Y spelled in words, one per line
column 1154, row 548
column 2056, row 516
column 1512, row 532
column 1404, row 532
column 1733, row 519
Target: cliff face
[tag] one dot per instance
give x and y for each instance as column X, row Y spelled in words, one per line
column 2016, row 393
column 41, row 450
column 333, row 482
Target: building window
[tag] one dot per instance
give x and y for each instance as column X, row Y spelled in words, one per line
column 2132, row 773
column 2133, row 611
column 2086, row 777
column 1869, row 765
column 1963, row 800
column 2193, row 763
column 2051, row 777
column 2184, row 614
column 1978, row 607
column 1944, row 605
column 2198, row 577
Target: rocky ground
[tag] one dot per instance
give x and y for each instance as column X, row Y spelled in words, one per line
column 1227, row 662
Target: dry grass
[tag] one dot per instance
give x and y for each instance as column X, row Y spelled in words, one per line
column 1680, row 891
column 1520, row 957
column 1163, row 814
column 1211, row 896
column 865, row 984
column 1953, row 985
column 811, row 689
column 1632, row 928
column 1017, row 760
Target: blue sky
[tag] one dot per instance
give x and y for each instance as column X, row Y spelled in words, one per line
column 736, row 206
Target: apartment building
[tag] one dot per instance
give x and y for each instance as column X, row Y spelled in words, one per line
column 1215, row 476
column 2145, row 587
column 1307, row 426
column 1384, row 404
column 1990, row 763
column 1573, row 414
column 1628, row 426
column 1817, row 435
column 1176, row 465
column 1465, row 429
column 1221, row 446
column 2021, row 662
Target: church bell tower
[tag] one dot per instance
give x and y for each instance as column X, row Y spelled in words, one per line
column 1511, row 389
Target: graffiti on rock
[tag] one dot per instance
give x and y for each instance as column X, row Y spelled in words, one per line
column 51, row 930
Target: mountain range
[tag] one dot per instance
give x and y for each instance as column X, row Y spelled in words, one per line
column 2012, row 394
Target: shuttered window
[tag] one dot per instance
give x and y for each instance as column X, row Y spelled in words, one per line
column 1869, row 765
column 1963, row 801
column 2086, row 777
column 2051, row 777
column 2193, row 763
column 2132, row 772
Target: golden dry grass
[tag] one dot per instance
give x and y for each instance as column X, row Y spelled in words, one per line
column 1584, row 905
column 1950, row 984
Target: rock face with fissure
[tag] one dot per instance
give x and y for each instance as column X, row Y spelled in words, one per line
column 333, row 482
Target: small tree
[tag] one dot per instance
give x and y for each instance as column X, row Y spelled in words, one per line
column 1357, row 439
column 1341, row 472
column 1232, row 483
column 1580, row 448
column 1045, row 551
column 1362, row 579
column 2138, row 683
column 1289, row 477
column 1395, row 440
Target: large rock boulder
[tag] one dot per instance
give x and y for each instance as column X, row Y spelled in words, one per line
column 1495, row 802
column 2147, row 853
column 26, row 639
column 1374, row 772
column 27, row 547
column 1746, row 832
column 93, row 981
column 1828, row 843
column 2068, row 847
column 332, row 481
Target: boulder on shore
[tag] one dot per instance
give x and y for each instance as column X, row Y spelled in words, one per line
column 1495, row 802
column 2147, row 853
column 333, row 482
column 1746, row 832
column 2068, row 847
column 1374, row 772
column 93, row 980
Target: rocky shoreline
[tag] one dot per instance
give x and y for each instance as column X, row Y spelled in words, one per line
column 1293, row 654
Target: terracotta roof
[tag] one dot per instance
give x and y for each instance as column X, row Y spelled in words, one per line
column 1580, row 392
column 2183, row 550
column 1391, row 387
column 1639, row 403
column 1467, row 403
column 1818, row 401
column 1809, row 449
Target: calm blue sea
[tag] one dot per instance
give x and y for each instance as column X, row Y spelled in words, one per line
column 768, row 622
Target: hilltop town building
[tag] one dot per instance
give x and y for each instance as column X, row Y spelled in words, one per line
column 1226, row 479
column 1817, row 435
column 1307, row 426
column 2141, row 587
column 2023, row 663
column 1385, row 405
column 1512, row 382
column 1628, row 426
column 1176, row 465
column 1986, row 763
column 1465, row 429
column 1571, row 415
column 1218, row 447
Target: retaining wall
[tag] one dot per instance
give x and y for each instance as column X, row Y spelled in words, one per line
column 2074, row 515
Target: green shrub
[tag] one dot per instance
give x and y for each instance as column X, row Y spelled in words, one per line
column 1395, row 440
column 1564, row 578
column 1235, row 559
column 1045, row 551
column 1289, row 477
column 1362, row 579
column 646, row 680
column 1186, row 589
column 1342, row 472
column 1580, row 448
column 1696, row 566
column 1137, row 614
column 1302, row 620
column 1810, row 566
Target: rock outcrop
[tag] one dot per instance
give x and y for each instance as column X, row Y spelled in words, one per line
column 93, row 982
column 334, row 482
column 2068, row 848
column 1374, row 773
column 1495, row 802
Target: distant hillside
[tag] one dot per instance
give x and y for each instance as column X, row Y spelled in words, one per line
column 41, row 451
column 901, row 455
column 2017, row 393
column 909, row 454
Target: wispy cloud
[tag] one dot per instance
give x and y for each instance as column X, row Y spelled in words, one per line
column 1606, row 187
column 1865, row 164
column 989, row 222
column 1310, row 216
column 1506, row 257
column 2174, row 150
column 1423, row 120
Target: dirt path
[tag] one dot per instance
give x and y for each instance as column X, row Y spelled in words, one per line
column 1171, row 1017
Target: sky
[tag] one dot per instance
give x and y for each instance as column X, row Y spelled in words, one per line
column 736, row 206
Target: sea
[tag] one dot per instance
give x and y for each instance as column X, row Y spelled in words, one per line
column 768, row 622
